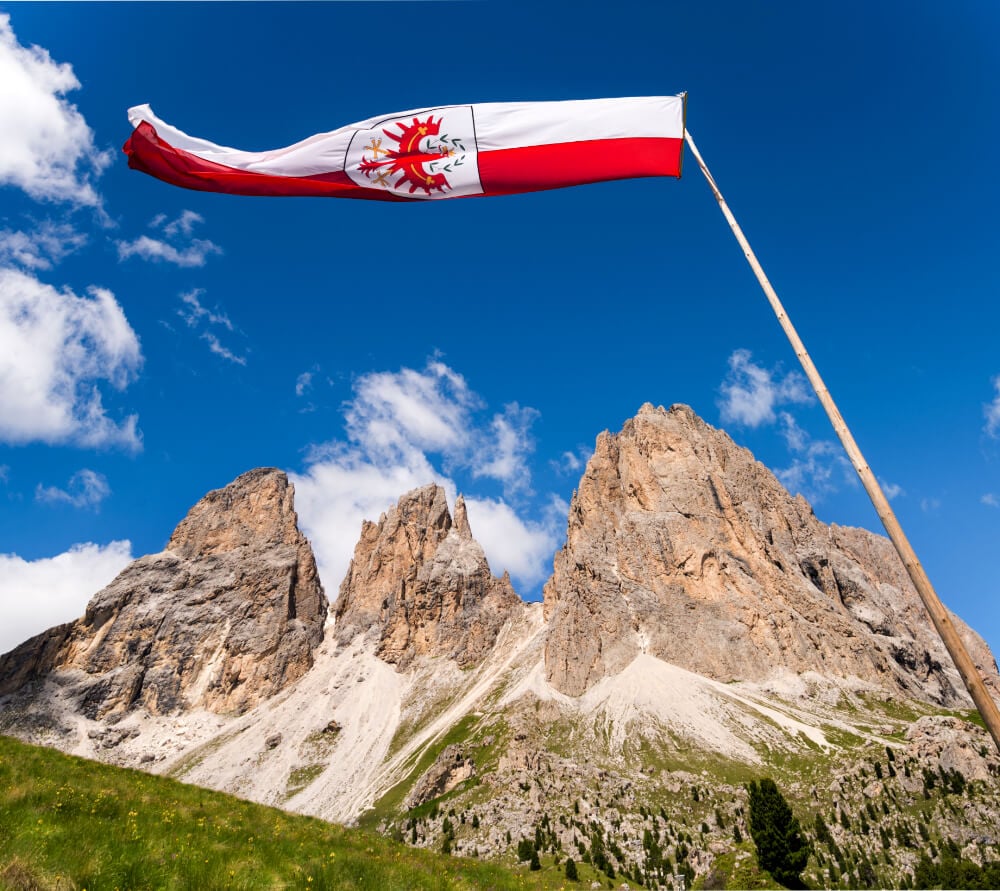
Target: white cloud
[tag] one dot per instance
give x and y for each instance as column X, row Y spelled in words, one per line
column 192, row 254
column 890, row 490
column 155, row 250
column 184, row 224
column 193, row 312
column 990, row 500
column 572, row 462
column 216, row 347
column 522, row 547
column 336, row 493
column 41, row 249
column 506, row 450
column 397, row 412
column 86, row 488
column 397, row 425
column 930, row 505
column 751, row 393
column 46, row 147
column 37, row 594
column 196, row 315
column 434, row 410
column 54, row 349
column 818, row 468
column 303, row 383
column 992, row 412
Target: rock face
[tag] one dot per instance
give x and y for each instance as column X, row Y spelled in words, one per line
column 225, row 617
column 681, row 545
column 423, row 583
column 450, row 768
column 953, row 745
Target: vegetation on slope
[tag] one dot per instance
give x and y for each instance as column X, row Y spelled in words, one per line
column 68, row 823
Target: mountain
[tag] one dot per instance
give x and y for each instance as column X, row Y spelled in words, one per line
column 226, row 616
column 423, row 583
column 701, row 628
column 682, row 546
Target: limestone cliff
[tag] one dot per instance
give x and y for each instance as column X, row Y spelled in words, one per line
column 683, row 546
column 225, row 617
column 424, row 584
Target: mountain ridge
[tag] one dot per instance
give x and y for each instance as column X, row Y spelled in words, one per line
column 700, row 626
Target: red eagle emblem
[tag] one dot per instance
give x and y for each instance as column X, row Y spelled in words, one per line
column 420, row 160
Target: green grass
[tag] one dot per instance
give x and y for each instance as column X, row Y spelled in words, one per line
column 391, row 804
column 68, row 823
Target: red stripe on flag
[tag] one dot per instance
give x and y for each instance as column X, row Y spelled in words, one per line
column 150, row 154
column 537, row 167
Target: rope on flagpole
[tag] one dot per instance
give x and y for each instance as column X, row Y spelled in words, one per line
column 938, row 614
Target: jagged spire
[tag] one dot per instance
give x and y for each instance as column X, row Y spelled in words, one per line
column 462, row 519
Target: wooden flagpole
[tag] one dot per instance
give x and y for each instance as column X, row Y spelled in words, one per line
column 939, row 615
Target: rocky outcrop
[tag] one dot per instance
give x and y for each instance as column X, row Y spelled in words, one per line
column 423, row 583
column 449, row 769
column 681, row 545
column 950, row 744
column 225, row 617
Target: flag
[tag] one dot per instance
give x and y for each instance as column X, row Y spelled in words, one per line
column 451, row 151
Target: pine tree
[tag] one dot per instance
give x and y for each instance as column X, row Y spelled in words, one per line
column 781, row 848
column 571, row 874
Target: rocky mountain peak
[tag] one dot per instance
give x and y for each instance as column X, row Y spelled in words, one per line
column 225, row 617
column 423, row 583
column 681, row 545
column 257, row 507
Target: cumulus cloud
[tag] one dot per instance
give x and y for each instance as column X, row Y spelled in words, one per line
column 522, row 547
column 394, row 413
column 55, row 347
column 990, row 500
column 46, row 147
column 992, row 412
column 506, row 449
column 37, row 594
column 41, row 248
column 344, row 487
column 400, row 426
column 751, row 393
column 86, row 488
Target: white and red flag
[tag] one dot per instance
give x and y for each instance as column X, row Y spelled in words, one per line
column 452, row 151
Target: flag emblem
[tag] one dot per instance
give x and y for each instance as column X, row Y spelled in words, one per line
column 420, row 156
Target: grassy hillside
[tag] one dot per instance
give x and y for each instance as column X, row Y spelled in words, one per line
column 68, row 823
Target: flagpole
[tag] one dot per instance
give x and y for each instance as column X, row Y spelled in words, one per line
column 938, row 614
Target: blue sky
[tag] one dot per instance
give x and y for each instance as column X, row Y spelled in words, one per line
column 155, row 343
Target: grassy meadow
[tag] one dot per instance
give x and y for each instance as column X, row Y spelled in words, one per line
column 68, row 823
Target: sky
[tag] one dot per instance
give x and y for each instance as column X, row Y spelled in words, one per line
column 155, row 343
